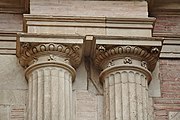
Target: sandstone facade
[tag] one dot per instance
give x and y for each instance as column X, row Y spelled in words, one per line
column 89, row 60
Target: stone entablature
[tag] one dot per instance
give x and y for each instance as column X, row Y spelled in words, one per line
column 84, row 25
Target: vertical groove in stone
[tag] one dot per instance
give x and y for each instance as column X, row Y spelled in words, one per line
column 111, row 97
column 47, row 94
column 70, row 96
column 149, row 105
column 67, row 103
column 50, row 94
column 125, row 96
column 54, row 94
column 30, row 97
column 144, row 97
column 118, row 96
column 104, row 101
column 59, row 76
column 34, row 95
column 132, row 96
column 107, row 105
column 136, row 92
column 40, row 94
column 139, row 97
column 61, row 96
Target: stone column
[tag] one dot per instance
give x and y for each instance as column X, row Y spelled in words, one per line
column 50, row 73
column 125, row 77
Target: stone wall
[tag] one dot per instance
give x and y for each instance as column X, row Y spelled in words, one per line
column 13, row 89
column 88, row 101
column 167, row 106
column 167, row 24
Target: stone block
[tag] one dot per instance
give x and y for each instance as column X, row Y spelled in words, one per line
column 81, row 79
column 18, row 112
column 4, row 112
column 11, row 22
column 13, row 97
column 174, row 115
column 88, row 106
column 134, row 9
column 154, row 86
column 11, row 73
column 129, row 32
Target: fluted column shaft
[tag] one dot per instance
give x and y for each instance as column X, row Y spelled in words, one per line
column 50, row 73
column 125, row 83
column 125, row 95
column 126, row 72
column 50, row 94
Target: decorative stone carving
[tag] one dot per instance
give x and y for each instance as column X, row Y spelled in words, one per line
column 110, row 64
column 101, row 49
column 50, row 73
column 126, row 81
column 119, row 52
column 155, row 50
column 144, row 64
column 127, row 60
column 29, row 51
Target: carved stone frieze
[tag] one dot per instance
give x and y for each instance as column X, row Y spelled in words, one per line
column 31, row 53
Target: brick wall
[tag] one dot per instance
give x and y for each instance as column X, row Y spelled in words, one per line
column 167, row 107
column 167, row 24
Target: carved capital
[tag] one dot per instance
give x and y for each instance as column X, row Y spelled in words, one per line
column 128, row 55
column 31, row 53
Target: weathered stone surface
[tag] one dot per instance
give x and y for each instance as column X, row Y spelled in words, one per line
column 18, row 112
column 93, row 25
column 11, row 22
column 88, row 106
column 4, row 112
column 13, row 97
column 174, row 115
column 87, row 91
column 80, row 83
column 11, row 73
column 134, row 9
column 154, row 86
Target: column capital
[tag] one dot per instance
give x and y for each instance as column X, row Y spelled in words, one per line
column 34, row 52
column 106, row 57
column 128, row 53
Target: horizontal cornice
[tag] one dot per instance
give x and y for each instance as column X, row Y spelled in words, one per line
column 28, row 17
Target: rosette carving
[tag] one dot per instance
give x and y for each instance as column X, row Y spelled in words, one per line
column 30, row 53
